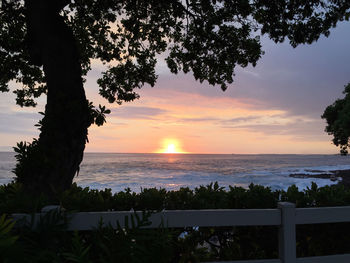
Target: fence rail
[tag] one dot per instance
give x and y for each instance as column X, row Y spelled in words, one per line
column 286, row 216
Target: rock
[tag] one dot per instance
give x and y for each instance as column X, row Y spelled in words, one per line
column 343, row 176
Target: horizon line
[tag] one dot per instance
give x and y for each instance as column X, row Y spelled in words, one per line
column 193, row 153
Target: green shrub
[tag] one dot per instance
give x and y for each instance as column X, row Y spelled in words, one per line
column 47, row 242
column 7, row 239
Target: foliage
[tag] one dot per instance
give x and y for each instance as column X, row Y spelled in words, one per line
column 37, row 242
column 47, row 241
column 15, row 199
column 130, row 242
column 80, row 252
column 29, row 157
column 338, row 121
column 208, row 38
column 7, row 239
column 98, row 116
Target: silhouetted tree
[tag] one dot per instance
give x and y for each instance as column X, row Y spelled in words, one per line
column 48, row 46
column 337, row 116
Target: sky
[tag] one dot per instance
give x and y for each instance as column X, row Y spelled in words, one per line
column 274, row 108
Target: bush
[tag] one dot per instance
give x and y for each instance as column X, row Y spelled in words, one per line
column 48, row 243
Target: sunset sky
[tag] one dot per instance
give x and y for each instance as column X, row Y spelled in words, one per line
column 272, row 108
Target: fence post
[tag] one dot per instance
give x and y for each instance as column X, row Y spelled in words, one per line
column 286, row 238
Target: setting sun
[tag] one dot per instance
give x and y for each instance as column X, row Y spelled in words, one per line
column 170, row 146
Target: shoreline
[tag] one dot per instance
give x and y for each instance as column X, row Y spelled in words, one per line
column 340, row 176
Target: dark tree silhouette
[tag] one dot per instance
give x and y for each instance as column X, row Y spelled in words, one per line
column 48, row 47
column 337, row 117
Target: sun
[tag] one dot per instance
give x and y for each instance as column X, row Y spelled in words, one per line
column 170, row 146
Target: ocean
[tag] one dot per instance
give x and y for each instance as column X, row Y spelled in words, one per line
column 172, row 171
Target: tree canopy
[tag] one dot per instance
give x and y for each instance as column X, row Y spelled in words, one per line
column 337, row 117
column 208, row 37
column 48, row 46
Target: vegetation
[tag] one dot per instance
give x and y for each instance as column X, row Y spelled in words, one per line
column 14, row 199
column 337, row 116
column 48, row 47
column 47, row 242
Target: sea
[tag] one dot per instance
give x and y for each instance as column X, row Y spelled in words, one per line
column 137, row 171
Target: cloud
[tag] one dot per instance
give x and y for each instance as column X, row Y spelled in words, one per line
column 298, row 129
column 222, row 120
column 300, row 81
column 199, row 119
column 297, row 83
column 19, row 123
column 243, row 119
column 137, row 112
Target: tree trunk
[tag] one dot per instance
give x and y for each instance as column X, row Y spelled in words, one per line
column 60, row 147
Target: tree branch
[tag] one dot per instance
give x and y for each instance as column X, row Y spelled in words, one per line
column 186, row 10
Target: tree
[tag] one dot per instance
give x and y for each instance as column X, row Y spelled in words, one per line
column 48, row 46
column 337, row 117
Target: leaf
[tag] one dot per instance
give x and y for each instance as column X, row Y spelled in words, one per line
column 6, row 238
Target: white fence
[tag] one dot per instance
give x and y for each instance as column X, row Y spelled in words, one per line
column 286, row 216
